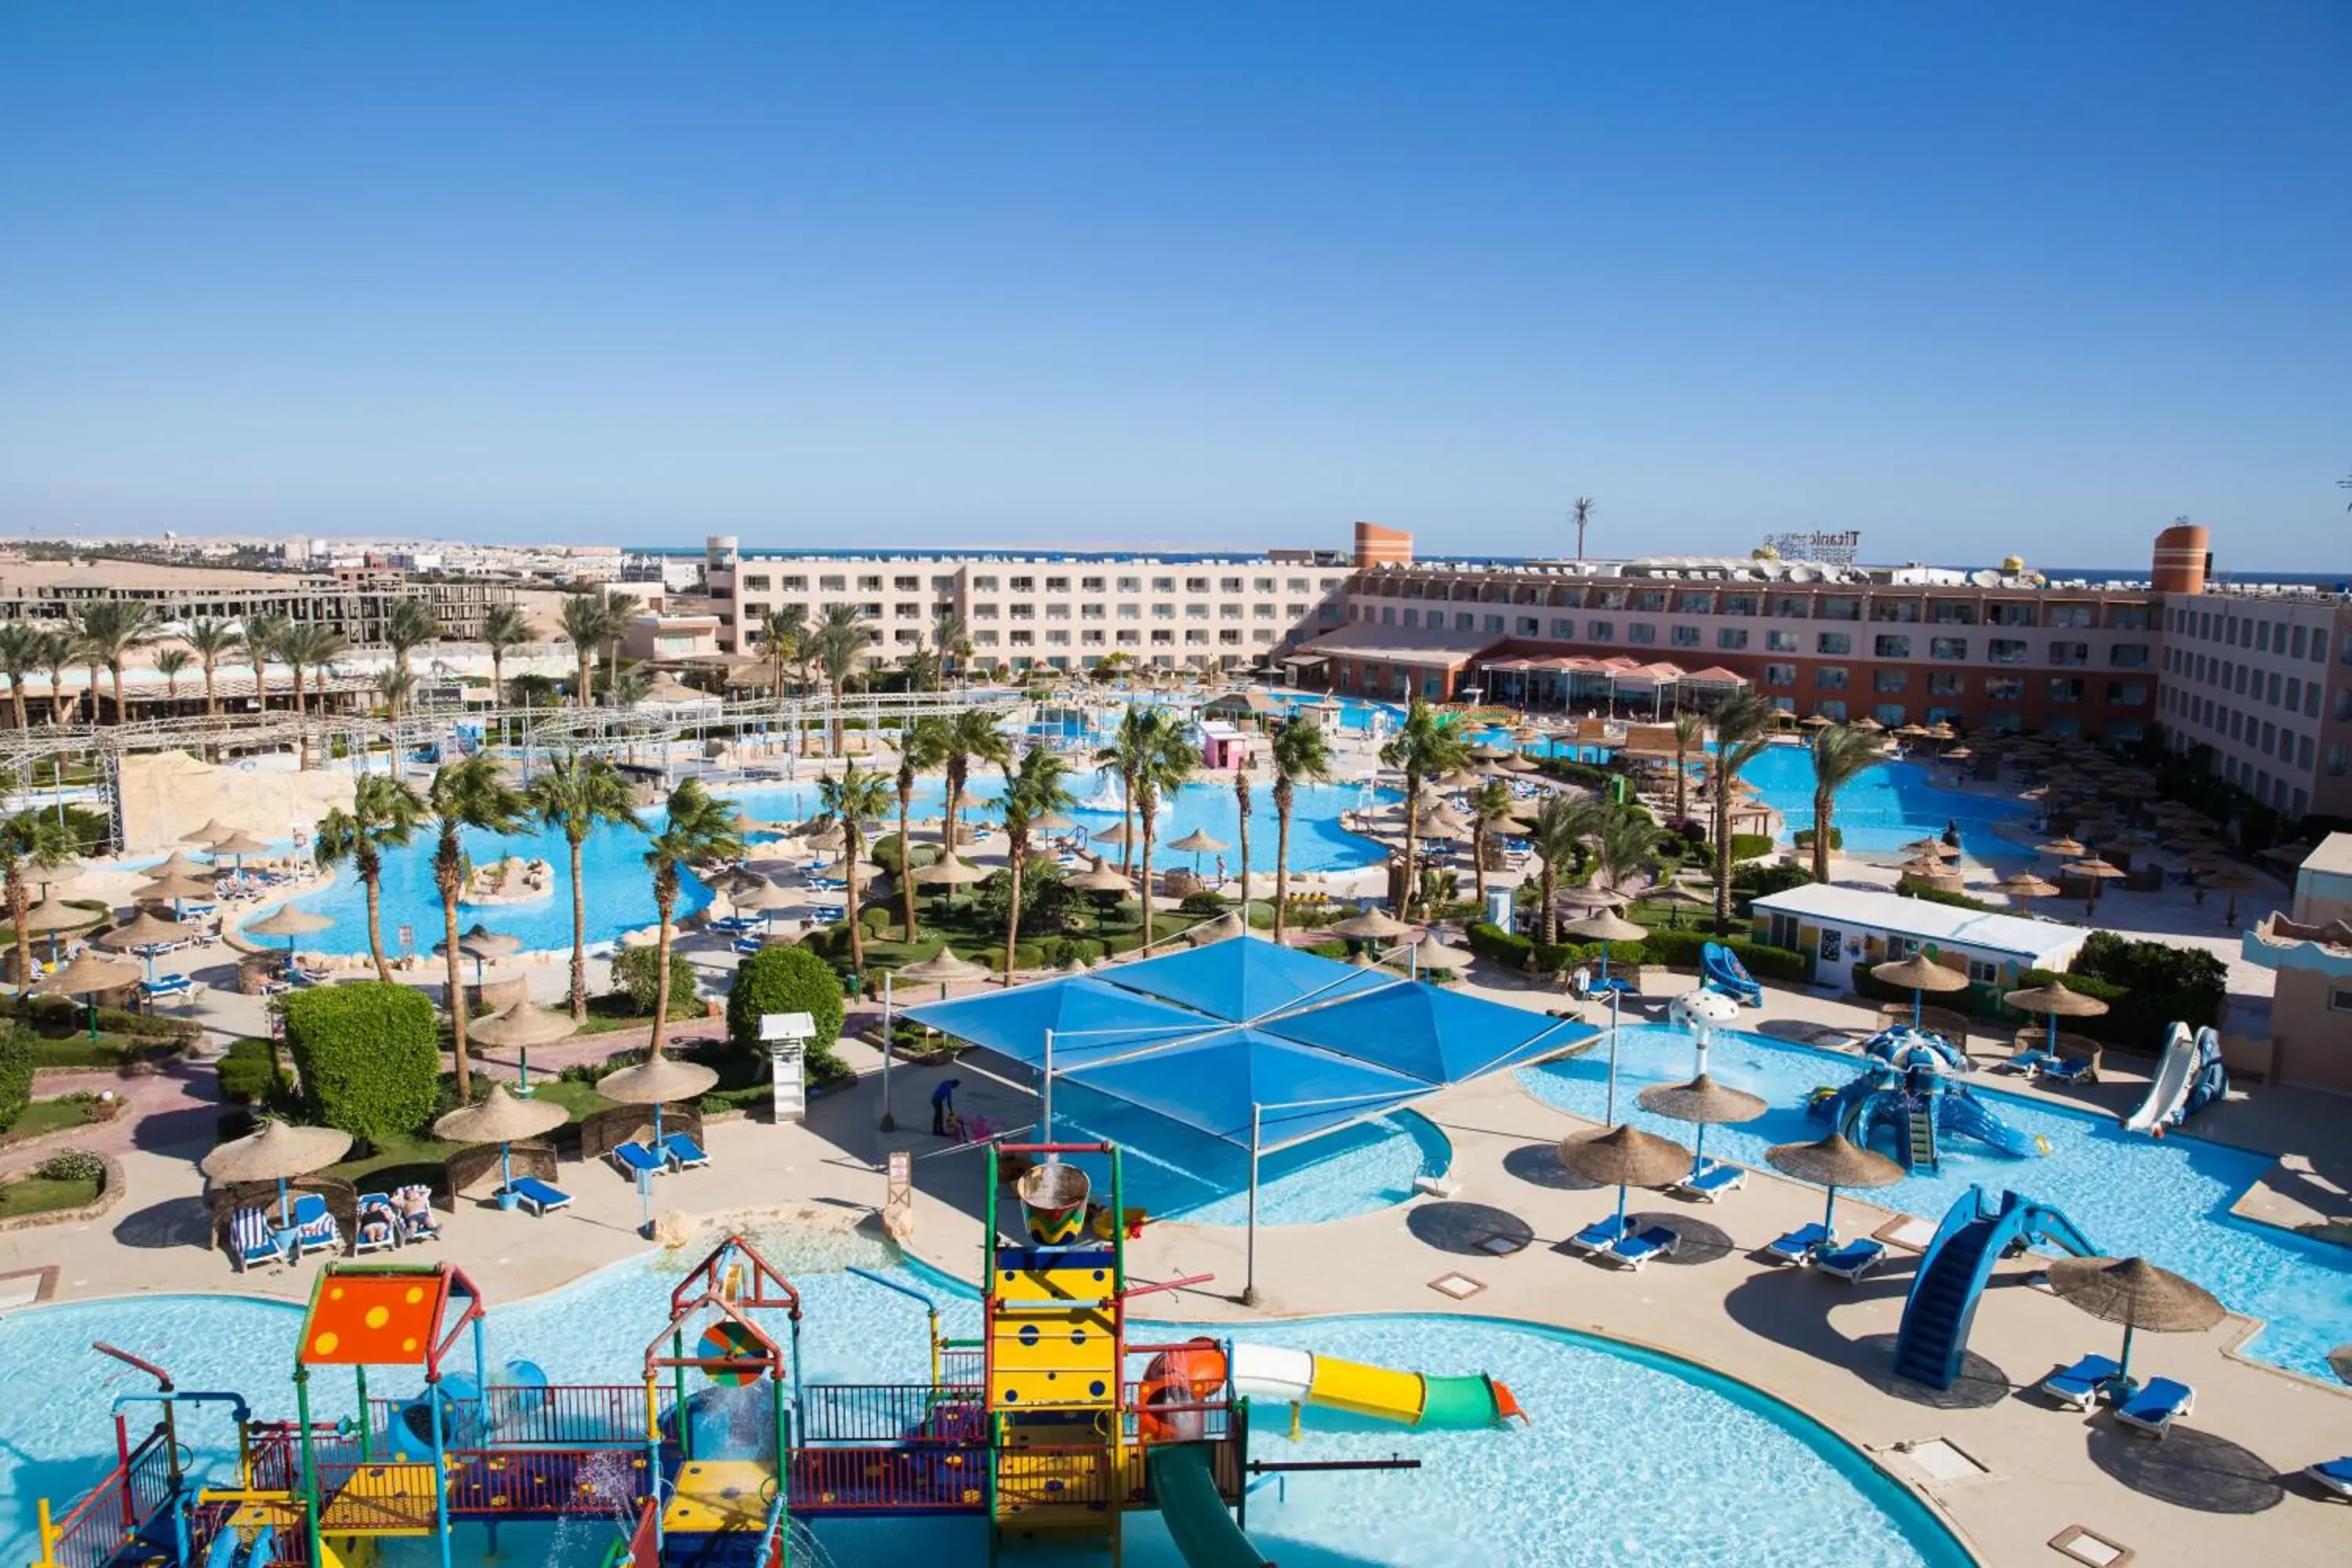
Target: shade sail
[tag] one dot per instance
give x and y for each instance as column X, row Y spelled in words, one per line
column 1210, row 1084
column 1245, row 980
column 1089, row 1019
column 1430, row 1033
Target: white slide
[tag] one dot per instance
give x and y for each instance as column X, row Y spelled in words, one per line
column 2173, row 1073
column 1273, row 1373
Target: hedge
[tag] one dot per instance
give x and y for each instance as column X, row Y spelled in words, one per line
column 368, row 1054
column 1750, row 846
column 1673, row 948
column 248, row 1075
column 16, row 1048
column 1804, row 837
column 1911, row 887
column 787, row 980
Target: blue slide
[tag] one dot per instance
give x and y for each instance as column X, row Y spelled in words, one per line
column 1953, row 1274
column 1727, row 975
column 1964, row 1114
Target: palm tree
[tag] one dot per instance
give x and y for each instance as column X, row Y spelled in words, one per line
column 620, row 609
column 1425, row 744
column 1842, row 753
column 1166, row 759
column 470, row 793
column 1743, row 727
column 582, row 620
column 1490, row 806
column 532, row 689
column 920, row 666
column 854, row 797
column 410, row 626
column 394, row 685
column 313, row 646
column 1038, row 788
column 54, row 655
column 210, row 640
column 702, row 828
column 972, row 737
column 20, row 651
column 1120, row 760
column 1562, row 824
column 1301, row 752
column 171, row 664
column 30, row 842
column 953, row 639
column 1241, row 819
column 1579, row 512
column 781, row 630
column 1624, row 843
column 384, row 816
column 504, row 629
column 572, row 794
column 838, row 643
column 922, row 746
column 110, row 629
column 1690, row 730
column 257, row 643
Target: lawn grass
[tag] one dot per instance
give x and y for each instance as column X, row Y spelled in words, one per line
column 44, row 1116
column 38, row 1194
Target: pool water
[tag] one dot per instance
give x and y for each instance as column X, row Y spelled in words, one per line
column 1887, row 806
column 1630, row 1456
column 2168, row 1201
column 612, row 861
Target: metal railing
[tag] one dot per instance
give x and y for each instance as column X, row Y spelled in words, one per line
column 891, row 1413
column 559, row 1414
column 111, row 1513
column 947, row 1479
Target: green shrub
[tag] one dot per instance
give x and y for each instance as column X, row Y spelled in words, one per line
column 1492, row 942
column 17, row 1051
column 368, row 1054
column 1681, row 949
column 71, row 1166
column 635, row 971
column 249, row 1076
column 1204, row 904
column 787, row 980
column 1750, row 846
column 1762, row 879
column 1336, row 948
column 1804, row 837
column 1910, row 887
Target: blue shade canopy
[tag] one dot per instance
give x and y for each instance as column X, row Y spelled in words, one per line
column 1244, row 980
column 1440, row 1035
column 1210, row 1084
column 1088, row 1019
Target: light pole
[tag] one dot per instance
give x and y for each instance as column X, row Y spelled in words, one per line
column 888, row 1123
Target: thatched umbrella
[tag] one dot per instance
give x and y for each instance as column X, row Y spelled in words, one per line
column 656, row 1081
column 1373, row 925
column 1814, row 722
column 289, row 922
column 1922, row 974
column 2339, row 1362
column 2138, row 1295
column 172, row 888
column 1225, row 926
column 1703, row 1103
column 521, row 1026
column 1459, row 778
column 2065, row 848
column 483, row 945
column 240, row 845
column 276, row 1151
column 1833, row 1162
column 2094, row 870
column 86, row 976
column 1606, row 926
column 944, row 968
column 142, row 930
column 1936, row 847
column 180, row 863
column 1432, row 954
column 1625, row 1157
column 2058, row 1002
column 1196, row 843
column 1116, row 832
column 209, row 832
column 2026, row 885
column 825, row 835
column 2232, row 880
column 502, row 1119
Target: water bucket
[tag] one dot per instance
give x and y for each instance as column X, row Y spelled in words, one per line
column 1055, row 1196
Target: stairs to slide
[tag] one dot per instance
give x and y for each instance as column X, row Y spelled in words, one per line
column 1952, row 1276
column 1919, row 1136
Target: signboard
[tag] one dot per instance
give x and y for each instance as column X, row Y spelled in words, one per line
column 787, row 1035
column 1837, row 548
column 407, row 938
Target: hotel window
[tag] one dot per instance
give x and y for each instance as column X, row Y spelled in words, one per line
column 2128, row 655
column 1793, row 607
column 1695, row 604
column 1090, row 637
column 1195, row 637
column 1025, row 612
column 984, row 638
column 983, row 612
column 1163, row 584
column 1779, row 642
column 1057, row 640
column 1130, row 585
column 1892, row 647
column 1262, row 634
column 1494, row 623
column 984, row 584
column 1229, row 584
column 753, row 585
column 1650, row 599
column 1946, row 683
column 1685, row 636
column 1639, row 632
column 2293, row 692
column 906, row 585
column 1833, row 710
column 795, row 585
column 1464, row 621
column 871, row 611
column 2128, row 693
column 1843, row 607
column 1388, row 615
column 2006, row 650
column 2005, row 688
column 2065, row 689
column 2273, row 689
column 1780, row 675
column 1163, row 639
column 906, row 611
column 1947, row 647
column 1890, row 714
column 1090, row 585
column 1130, row 612
column 1262, row 585
column 1890, row 680
column 2014, row 615
column 1196, row 585
column 1563, row 629
column 1229, row 638
column 943, row 584
column 1230, row 613
column 1293, row 612
column 1024, row 639
column 1529, row 627
column 1832, row 643
column 1830, row 677
column 2072, row 617
column 831, row 585
column 1092, row 610
column 1731, row 639
column 1201, row 613
column 1024, row 584
column 1291, row 585
column 1606, row 631
column 1948, row 613
column 1127, row 638
column 1740, row 603
column 1412, row 616
column 1164, row 612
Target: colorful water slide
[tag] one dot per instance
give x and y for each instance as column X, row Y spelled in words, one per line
column 1955, row 1268
column 1961, row 1111
column 1198, row 1520
column 2176, row 1075
column 1727, row 975
column 1409, row 1398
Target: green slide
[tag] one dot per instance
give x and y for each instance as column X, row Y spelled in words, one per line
column 1198, row 1520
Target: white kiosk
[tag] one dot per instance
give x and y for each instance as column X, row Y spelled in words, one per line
column 786, row 1035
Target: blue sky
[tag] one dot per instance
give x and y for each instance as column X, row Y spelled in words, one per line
column 1970, row 278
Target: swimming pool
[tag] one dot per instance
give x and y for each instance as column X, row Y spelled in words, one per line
column 1887, row 806
column 612, row 861
column 1631, row 1455
column 2168, row 1201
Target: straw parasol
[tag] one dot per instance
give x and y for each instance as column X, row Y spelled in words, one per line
column 1430, row 954
column 1116, row 832
column 1931, row 847
column 2065, row 848
column 1605, row 926
column 180, row 863
column 1196, row 843
column 943, row 969
column 1622, row 1157
column 502, row 1119
column 240, row 845
column 1373, row 925
column 1815, row 722
column 1703, row 1103
column 87, row 975
column 142, row 930
column 54, row 914
column 1100, row 878
column 950, row 874
column 480, row 943
column 1443, row 822
column 523, row 1025
column 1833, row 1162
column 2026, row 885
column 2138, row 1295
column 209, row 832
column 736, row 879
column 1228, row 924
column 1459, row 778
column 656, row 1081
column 1053, row 821
column 276, row 1151
column 825, row 835
column 2339, row 1362
column 2231, row 880
column 1869, row 723
column 2058, row 1002
column 2292, row 854
column 174, row 889
column 2095, row 871
column 1921, row 974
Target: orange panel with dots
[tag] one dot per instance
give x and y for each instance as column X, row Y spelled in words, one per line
column 374, row 1320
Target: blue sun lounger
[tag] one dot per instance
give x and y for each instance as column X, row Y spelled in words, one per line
column 252, row 1239
column 314, row 1226
column 2082, row 1385
column 537, row 1196
column 378, row 1227
column 1711, row 1183
column 2158, row 1402
column 684, row 1151
column 1853, row 1260
column 1632, row 1251
column 1800, row 1245
column 2070, row 1069
column 1604, row 1232
column 635, row 1158
column 2335, row 1475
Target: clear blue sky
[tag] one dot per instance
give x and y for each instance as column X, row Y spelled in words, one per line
column 1972, row 279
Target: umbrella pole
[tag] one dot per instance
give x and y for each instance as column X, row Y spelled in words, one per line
column 888, row 1123
column 1829, row 1216
column 1918, row 1003
column 522, row 1070
column 1621, row 1208
column 1611, row 1116
column 285, row 1216
column 2053, row 1034
column 1045, row 1112
column 1249, row 1267
column 1698, row 1151
column 2123, row 1372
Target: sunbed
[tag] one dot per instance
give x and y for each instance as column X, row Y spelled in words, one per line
column 2157, row 1403
column 378, row 1226
column 2072, row 1069
column 2080, row 1387
column 1609, row 1230
column 416, row 1221
column 537, row 1196
column 1800, row 1245
column 314, row 1226
column 253, row 1239
column 2335, row 1475
column 168, row 986
column 635, row 1158
column 1711, row 1182
column 1632, row 1251
column 684, row 1151
column 1853, row 1260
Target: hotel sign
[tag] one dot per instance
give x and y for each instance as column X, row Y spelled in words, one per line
column 1837, row 549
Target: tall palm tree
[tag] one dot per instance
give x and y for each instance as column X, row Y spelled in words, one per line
column 1579, row 513
column 171, row 664
column 1167, row 759
column 920, row 666
column 1038, row 788
column 1120, row 760
column 573, row 794
column 1490, row 806
column 1690, row 730
column 470, row 793
column 620, row 609
column 1625, row 844
column 394, row 685
column 30, row 843
column 582, row 620
column 972, row 737
column 700, row 828
column 781, row 632
column 854, row 797
column 953, row 639
column 258, row 645
column 839, row 645
column 922, row 746
column 1241, row 820
column 1426, row 743
column 54, row 656
column 210, row 640
column 1743, row 728
column 409, row 627
column 505, row 629
column 1562, row 825
column 1301, row 752
column 384, row 816
column 315, row 648
column 20, row 652
column 1842, row 753
column 110, row 629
